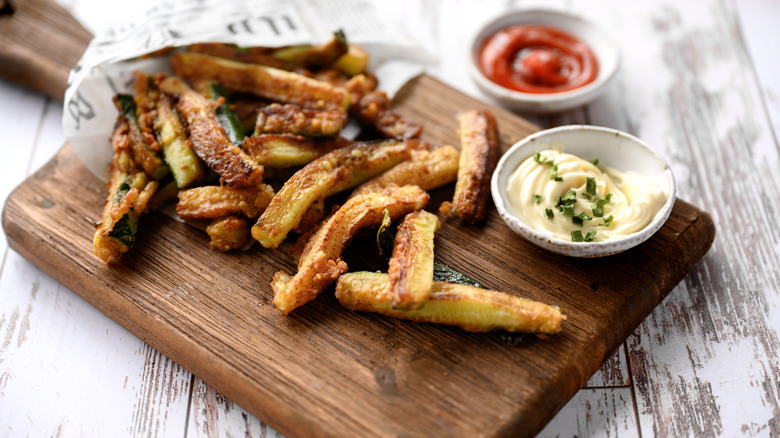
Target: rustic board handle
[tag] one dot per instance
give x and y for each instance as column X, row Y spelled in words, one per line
column 39, row 43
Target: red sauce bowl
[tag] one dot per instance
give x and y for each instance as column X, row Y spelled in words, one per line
column 542, row 61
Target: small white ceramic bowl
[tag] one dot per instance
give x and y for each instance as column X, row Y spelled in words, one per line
column 603, row 47
column 613, row 148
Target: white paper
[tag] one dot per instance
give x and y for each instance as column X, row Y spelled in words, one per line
column 108, row 63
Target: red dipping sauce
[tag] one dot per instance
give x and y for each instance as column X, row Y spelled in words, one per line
column 537, row 59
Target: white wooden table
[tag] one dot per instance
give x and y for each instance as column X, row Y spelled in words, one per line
column 700, row 81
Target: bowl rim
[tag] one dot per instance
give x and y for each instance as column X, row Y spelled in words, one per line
column 565, row 247
column 585, row 92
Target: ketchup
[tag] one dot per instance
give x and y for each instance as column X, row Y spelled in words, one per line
column 537, row 59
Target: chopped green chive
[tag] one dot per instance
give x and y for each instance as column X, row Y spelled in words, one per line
column 607, row 221
column 554, row 173
column 587, row 196
column 590, row 236
column 598, row 209
column 549, row 213
column 584, row 216
column 537, row 199
column 569, row 198
column 577, row 220
column 568, row 210
column 608, row 197
column 595, row 162
column 590, row 185
column 576, row 236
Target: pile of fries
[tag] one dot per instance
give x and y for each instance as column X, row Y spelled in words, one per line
column 217, row 136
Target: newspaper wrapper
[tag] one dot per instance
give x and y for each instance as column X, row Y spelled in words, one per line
column 111, row 58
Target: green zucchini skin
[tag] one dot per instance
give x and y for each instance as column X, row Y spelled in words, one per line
column 148, row 159
column 225, row 114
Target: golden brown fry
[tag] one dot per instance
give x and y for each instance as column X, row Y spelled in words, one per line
column 270, row 83
column 129, row 191
column 286, row 150
column 146, row 155
column 212, row 202
column 321, row 264
column 209, row 139
column 292, row 119
column 315, row 56
column 411, row 266
column 374, row 110
column 478, row 135
column 334, row 172
column 468, row 307
column 186, row 167
column 250, row 55
column 426, row 169
column 229, row 232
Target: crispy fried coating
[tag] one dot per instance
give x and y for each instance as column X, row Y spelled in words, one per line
column 250, row 55
column 229, row 232
column 315, row 57
column 374, row 110
column 270, row 83
column 212, row 202
column 186, row 167
column 478, row 134
column 470, row 308
column 209, row 139
column 129, row 191
column 411, row 266
column 145, row 154
column 320, row 263
column 334, row 172
column 292, row 119
column 426, row 169
column 286, row 150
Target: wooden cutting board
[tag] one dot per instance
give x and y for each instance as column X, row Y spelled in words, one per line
column 326, row 371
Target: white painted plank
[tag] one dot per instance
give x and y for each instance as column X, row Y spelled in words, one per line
column 705, row 363
column 213, row 415
column 67, row 370
column 601, row 412
column 758, row 24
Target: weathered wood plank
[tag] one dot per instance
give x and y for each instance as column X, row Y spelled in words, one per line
column 607, row 412
column 705, row 363
column 214, row 415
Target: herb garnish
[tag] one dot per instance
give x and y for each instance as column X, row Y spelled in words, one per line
column 607, row 221
column 549, row 213
column 576, row 236
column 537, row 199
column 590, row 185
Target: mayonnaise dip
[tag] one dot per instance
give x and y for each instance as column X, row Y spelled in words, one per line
column 545, row 187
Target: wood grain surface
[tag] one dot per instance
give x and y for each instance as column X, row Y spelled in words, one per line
column 324, row 371
column 39, row 43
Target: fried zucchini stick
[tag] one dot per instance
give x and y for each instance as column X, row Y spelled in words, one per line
column 478, row 135
column 320, row 263
column 374, row 110
column 426, row 169
column 334, row 172
column 287, row 150
column 186, row 167
column 209, row 139
column 292, row 119
column 145, row 154
column 129, row 191
column 212, row 202
column 270, row 83
column 468, row 307
column 229, row 232
column 315, row 56
column 251, row 55
column 411, row 266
